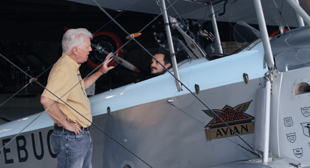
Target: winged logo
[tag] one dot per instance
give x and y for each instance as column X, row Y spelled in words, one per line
column 229, row 114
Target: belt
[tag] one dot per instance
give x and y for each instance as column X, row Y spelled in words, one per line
column 60, row 128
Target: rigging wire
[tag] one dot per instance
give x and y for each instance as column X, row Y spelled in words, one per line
column 121, row 27
column 204, row 125
column 21, row 131
column 182, row 21
column 171, row 5
column 281, row 16
column 65, row 102
column 256, row 153
column 59, row 99
column 16, row 94
column 187, row 114
column 123, row 10
column 30, row 81
column 53, row 64
column 101, row 64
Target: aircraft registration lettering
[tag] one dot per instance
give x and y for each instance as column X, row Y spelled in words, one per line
column 21, row 148
column 6, row 151
column 240, row 122
column 25, row 149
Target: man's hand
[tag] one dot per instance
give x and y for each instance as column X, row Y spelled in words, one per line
column 73, row 127
column 54, row 111
column 104, row 68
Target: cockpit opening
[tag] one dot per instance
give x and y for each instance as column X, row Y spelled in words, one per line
column 127, row 166
column 301, row 88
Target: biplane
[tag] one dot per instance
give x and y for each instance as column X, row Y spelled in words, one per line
column 244, row 108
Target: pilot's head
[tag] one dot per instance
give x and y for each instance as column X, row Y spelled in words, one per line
column 164, row 59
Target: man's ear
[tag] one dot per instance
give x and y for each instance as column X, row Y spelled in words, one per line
column 168, row 65
column 74, row 50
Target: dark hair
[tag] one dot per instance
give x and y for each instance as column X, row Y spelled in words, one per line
column 167, row 58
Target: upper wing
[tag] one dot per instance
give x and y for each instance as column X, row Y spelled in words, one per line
column 241, row 10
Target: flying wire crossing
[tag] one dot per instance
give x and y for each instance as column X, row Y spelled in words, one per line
column 112, row 19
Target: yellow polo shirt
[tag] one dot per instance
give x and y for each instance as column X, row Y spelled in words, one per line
column 66, row 83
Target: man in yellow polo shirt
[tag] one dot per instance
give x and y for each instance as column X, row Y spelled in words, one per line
column 67, row 103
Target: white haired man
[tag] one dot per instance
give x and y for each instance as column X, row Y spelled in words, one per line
column 67, row 103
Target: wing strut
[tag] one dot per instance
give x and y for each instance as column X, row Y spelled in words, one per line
column 264, row 34
column 271, row 67
column 295, row 5
column 218, row 44
column 299, row 19
column 170, row 43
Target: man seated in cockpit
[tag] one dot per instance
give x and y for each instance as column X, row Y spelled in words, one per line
column 164, row 58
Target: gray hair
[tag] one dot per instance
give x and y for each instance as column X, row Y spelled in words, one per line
column 74, row 37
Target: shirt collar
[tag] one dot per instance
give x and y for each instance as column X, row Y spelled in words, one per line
column 71, row 61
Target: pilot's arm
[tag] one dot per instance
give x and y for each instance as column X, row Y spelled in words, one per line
column 51, row 107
